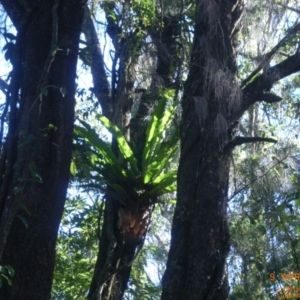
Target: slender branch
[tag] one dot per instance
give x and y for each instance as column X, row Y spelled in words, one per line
column 246, row 186
column 289, row 7
column 240, row 140
column 4, row 87
column 101, row 85
column 2, row 119
column 112, row 28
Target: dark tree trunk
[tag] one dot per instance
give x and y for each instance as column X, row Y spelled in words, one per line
column 36, row 173
column 200, row 237
column 213, row 102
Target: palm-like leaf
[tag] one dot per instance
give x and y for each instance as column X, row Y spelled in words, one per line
column 162, row 115
column 123, row 145
column 132, row 183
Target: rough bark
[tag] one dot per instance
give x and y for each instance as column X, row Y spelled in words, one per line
column 35, row 177
column 200, row 237
column 213, row 102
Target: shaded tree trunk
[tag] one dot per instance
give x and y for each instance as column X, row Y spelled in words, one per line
column 213, row 102
column 200, row 237
column 36, row 155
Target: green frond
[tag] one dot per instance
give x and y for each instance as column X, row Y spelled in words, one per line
column 122, row 143
column 162, row 115
column 131, row 183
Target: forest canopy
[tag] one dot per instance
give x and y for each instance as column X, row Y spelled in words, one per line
column 149, row 149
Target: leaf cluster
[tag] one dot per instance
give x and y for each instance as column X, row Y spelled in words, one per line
column 6, row 275
column 130, row 180
column 76, row 249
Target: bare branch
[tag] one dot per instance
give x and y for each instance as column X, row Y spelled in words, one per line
column 290, row 8
column 246, row 186
column 268, row 98
column 240, row 140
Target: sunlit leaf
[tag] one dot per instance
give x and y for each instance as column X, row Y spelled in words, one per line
column 73, row 169
column 122, row 143
column 160, row 119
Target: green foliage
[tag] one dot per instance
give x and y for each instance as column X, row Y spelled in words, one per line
column 76, row 249
column 264, row 214
column 122, row 143
column 123, row 174
column 6, row 275
column 144, row 11
column 157, row 153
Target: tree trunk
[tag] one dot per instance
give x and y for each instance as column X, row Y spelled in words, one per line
column 200, row 237
column 36, row 173
column 213, row 102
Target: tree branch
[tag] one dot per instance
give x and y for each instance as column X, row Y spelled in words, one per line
column 240, row 140
column 265, row 82
column 237, row 191
column 165, row 40
column 268, row 56
column 258, row 89
column 268, row 98
column 101, row 85
column 289, row 7
column 112, row 28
